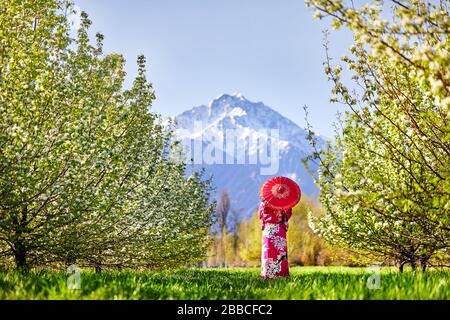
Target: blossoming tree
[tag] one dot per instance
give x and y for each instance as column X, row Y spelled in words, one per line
column 86, row 174
column 386, row 182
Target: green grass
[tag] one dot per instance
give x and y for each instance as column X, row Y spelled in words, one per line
column 304, row 283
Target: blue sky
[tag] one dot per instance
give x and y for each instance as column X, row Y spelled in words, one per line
column 270, row 51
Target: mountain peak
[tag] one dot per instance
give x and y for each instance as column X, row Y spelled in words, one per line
column 237, row 162
column 228, row 99
column 239, row 95
column 237, row 112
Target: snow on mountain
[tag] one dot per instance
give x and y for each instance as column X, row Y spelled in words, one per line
column 242, row 144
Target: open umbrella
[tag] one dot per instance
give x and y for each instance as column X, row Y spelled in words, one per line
column 280, row 193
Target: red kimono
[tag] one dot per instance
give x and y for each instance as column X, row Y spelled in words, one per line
column 274, row 259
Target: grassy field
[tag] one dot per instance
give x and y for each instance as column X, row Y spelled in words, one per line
column 304, row 283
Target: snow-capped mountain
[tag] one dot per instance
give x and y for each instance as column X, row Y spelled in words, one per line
column 242, row 144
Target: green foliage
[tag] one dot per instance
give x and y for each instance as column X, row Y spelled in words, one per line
column 304, row 283
column 384, row 183
column 86, row 173
column 250, row 238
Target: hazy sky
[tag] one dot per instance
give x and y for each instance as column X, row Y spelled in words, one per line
column 270, row 51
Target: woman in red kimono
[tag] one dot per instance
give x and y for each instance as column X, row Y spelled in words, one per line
column 274, row 258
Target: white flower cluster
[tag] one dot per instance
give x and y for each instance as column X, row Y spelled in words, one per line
column 279, row 243
column 271, row 268
column 270, row 229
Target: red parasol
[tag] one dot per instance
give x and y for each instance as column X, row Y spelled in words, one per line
column 280, row 193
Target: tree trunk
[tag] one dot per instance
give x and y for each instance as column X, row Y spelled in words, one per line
column 402, row 264
column 316, row 255
column 21, row 258
column 98, row 268
column 20, row 252
column 423, row 264
column 413, row 264
column 224, row 244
